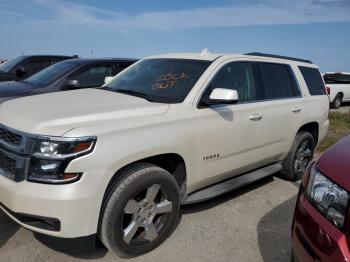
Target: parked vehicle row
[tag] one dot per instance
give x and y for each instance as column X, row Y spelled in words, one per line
column 338, row 88
column 65, row 75
column 24, row 66
column 117, row 162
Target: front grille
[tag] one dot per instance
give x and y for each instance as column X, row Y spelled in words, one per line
column 10, row 137
column 8, row 165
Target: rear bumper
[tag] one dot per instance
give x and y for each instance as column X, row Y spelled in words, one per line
column 65, row 211
column 314, row 237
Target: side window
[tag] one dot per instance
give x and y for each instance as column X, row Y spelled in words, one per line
column 120, row 67
column 35, row 66
column 278, row 81
column 236, row 76
column 94, row 76
column 313, row 80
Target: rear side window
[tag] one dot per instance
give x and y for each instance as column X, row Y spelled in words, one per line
column 278, row 81
column 313, row 80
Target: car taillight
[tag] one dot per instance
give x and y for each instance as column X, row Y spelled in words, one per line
column 328, row 90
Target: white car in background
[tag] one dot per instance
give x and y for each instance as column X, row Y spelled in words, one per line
column 338, row 88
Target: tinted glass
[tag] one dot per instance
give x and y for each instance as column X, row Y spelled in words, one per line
column 51, row 73
column 35, row 66
column 278, row 81
column 337, row 79
column 121, row 67
column 313, row 80
column 236, row 76
column 94, row 76
column 6, row 67
column 160, row 80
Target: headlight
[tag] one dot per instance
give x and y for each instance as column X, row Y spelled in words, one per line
column 330, row 199
column 51, row 156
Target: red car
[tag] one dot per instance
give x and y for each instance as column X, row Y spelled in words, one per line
column 321, row 225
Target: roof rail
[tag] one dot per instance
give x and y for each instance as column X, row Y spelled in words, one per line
column 280, row 57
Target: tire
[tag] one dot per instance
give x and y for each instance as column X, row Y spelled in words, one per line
column 294, row 165
column 337, row 101
column 140, row 212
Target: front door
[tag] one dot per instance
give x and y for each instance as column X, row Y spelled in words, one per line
column 228, row 136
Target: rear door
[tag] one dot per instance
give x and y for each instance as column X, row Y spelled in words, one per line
column 283, row 106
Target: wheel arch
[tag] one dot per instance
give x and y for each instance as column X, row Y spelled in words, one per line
column 311, row 127
column 172, row 162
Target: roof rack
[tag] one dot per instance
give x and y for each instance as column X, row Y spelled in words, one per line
column 280, row 57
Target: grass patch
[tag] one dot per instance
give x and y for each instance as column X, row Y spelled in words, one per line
column 339, row 128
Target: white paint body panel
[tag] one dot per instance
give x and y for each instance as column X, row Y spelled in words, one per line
column 343, row 89
column 129, row 129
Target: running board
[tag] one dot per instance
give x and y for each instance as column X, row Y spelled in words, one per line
column 232, row 184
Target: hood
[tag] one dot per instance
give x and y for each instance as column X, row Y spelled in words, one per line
column 14, row 89
column 56, row 113
column 335, row 163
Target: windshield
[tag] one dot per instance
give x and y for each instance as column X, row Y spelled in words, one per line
column 159, row 80
column 51, row 73
column 7, row 66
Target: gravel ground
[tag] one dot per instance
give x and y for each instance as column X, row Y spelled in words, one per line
column 252, row 224
column 345, row 108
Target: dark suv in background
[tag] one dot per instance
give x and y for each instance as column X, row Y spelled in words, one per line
column 65, row 75
column 24, row 66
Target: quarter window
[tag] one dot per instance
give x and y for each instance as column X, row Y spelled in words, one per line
column 278, row 81
column 313, row 80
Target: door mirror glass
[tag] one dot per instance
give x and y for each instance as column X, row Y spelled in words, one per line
column 223, row 96
column 72, row 84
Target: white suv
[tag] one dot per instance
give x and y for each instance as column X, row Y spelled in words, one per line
column 338, row 88
column 116, row 163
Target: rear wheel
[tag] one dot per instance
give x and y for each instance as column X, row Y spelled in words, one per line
column 337, row 101
column 301, row 154
column 141, row 211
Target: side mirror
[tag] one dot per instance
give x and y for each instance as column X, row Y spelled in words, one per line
column 20, row 71
column 223, row 96
column 71, row 85
column 108, row 79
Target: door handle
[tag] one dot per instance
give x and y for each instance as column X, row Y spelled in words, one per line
column 296, row 109
column 255, row 117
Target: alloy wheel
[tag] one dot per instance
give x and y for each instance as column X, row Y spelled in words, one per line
column 302, row 158
column 145, row 215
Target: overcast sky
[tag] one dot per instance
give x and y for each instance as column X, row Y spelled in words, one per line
column 315, row 29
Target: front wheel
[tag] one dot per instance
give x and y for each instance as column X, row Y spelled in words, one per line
column 301, row 154
column 141, row 211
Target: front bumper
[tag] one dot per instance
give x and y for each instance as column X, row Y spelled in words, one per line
column 314, row 237
column 76, row 206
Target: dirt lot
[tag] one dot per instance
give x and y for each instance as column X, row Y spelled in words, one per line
column 252, row 224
